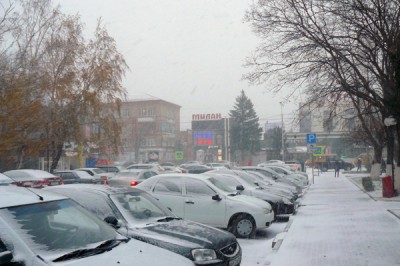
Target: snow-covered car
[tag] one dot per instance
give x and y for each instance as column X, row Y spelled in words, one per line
column 33, row 178
column 99, row 174
column 297, row 176
column 282, row 206
column 130, row 177
column 139, row 215
column 195, row 197
column 149, row 166
column 5, row 180
column 77, row 176
column 295, row 166
column 41, row 228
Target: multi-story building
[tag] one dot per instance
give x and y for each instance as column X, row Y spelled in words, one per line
column 150, row 129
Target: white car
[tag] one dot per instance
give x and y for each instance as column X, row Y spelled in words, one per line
column 97, row 173
column 42, row 228
column 195, row 197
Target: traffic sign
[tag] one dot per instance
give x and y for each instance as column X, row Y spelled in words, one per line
column 319, row 151
column 179, row 155
column 311, row 138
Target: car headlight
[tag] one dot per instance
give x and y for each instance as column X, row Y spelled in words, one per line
column 267, row 210
column 203, row 254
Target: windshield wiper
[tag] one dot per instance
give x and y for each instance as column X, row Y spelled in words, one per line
column 81, row 253
column 168, row 218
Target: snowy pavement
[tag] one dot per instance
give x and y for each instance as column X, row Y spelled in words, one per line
column 337, row 224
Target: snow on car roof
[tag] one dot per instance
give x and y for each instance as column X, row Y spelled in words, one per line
column 14, row 196
column 28, row 173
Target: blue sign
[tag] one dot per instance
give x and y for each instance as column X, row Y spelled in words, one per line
column 311, row 138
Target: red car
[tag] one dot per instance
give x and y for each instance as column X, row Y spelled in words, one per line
column 33, row 178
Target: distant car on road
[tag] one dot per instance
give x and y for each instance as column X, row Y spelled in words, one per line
column 33, row 178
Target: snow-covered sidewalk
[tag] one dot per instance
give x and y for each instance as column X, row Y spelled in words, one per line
column 340, row 224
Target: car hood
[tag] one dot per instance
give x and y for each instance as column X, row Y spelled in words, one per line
column 134, row 251
column 181, row 236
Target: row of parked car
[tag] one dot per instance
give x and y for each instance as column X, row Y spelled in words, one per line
column 193, row 219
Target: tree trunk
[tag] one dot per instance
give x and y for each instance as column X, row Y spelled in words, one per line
column 57, row 152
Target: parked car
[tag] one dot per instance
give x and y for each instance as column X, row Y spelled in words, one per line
column 281, row 205
column 5, row 180
column 139, row 215
column 149, row 166
column 40, row 228
column 131, row 177
column 195, row 168
column 218, row 165
column 197, row 198
column 33, row 178
column 112, row 168
column 271, row 162
column 299, row 176
column 295, row 166
column 77, row 176
column 97, row 173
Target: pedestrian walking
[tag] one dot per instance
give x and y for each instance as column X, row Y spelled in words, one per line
column 359, row 165
column 337, row 168
column 383, row 166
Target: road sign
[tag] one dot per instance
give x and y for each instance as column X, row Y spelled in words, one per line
column 319, row 151
column 311, row 138
column 179, row 155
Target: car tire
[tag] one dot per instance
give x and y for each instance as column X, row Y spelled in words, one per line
column 243, row 226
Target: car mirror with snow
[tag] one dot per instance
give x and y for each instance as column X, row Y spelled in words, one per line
column 111, row 220
column 240, row 187
column 216, row 197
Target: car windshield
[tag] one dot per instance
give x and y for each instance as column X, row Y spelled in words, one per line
column 139, row 208
column 57, row 227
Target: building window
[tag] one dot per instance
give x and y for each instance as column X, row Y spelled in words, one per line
column 146, row 112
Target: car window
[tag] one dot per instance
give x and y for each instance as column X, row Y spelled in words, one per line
column 99, row 171
column 149, row 174
column 66, row 175
column 197, row 187
column 170, row 186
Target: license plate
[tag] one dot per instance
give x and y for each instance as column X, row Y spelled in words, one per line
column 235, row 261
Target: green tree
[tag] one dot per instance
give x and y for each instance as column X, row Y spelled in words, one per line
column 245, row 130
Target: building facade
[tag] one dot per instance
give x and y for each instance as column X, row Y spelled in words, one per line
column 150, row 130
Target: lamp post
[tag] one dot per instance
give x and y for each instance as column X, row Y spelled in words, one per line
column 390, row 122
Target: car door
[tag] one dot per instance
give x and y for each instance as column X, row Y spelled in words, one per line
column 168, row 190
column 199, row 205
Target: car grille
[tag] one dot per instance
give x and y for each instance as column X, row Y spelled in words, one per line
column 285, row 209
column 231, row 250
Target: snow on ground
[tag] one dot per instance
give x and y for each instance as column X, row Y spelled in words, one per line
column 337, row 224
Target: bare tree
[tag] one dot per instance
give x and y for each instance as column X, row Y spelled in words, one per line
column 341, row 49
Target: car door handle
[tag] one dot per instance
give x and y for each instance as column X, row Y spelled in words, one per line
column 189, row 202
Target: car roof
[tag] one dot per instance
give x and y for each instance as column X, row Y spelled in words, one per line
column 11, row 196
column 196, row 176
column 94, row 187
column 28, row 173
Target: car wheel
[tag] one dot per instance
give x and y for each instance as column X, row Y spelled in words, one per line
column 243, row 226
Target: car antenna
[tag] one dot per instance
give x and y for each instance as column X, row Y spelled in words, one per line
column 40, row 197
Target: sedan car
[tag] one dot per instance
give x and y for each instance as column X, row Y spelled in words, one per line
column 138, row 215
column 149, row 166
column 281, row 205
column 97, row 173
column 33, row 178
column 199, row 198
column 131, row 177
column 77, row 176
column 41, row 228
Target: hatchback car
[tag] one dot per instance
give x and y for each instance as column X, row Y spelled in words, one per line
column 42, row 228
column 195, row 197
column 138, row 215
column 130, row 177
column 33, row 178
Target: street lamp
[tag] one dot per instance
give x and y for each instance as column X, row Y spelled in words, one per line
column 390, row 122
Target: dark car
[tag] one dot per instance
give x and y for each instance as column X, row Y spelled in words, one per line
column 77, row 177
column 139, row 215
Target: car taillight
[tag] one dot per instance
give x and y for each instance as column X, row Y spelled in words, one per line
column 133, row 183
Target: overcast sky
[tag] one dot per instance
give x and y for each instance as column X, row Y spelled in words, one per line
column 188, row 52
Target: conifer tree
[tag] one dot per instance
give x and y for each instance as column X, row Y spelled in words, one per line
column 245, row 129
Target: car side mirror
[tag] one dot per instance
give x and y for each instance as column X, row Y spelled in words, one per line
column 111, row 220
column 240, row 187
column 216, row 197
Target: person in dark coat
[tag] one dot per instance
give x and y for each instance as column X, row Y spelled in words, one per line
column 337, row 168
column 359, row 162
